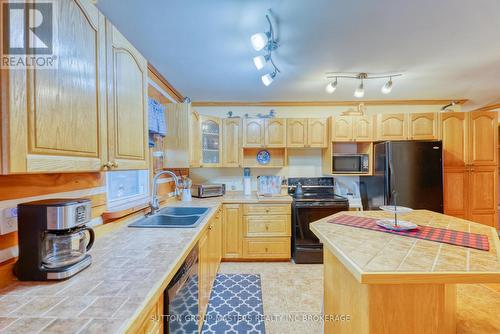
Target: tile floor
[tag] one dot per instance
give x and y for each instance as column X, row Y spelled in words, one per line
column 293, row 294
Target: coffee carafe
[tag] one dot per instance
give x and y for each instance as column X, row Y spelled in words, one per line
column 53, row 239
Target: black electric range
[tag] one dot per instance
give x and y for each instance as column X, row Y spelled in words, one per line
column 318, row 200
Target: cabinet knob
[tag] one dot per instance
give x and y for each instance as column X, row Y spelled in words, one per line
column 210, row 227
column 266, row 249
column 108, row 165
column 267, row 227
column 114, row 164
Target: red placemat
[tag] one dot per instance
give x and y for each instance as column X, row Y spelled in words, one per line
column 452, row 237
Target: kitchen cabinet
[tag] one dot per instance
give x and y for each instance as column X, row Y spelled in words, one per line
column 183, row 139
column 275, row 132
column 211, row 141
column 307, row 132
column 231, row 153
column 470, row 160
column 55, row 120
column 232, row 231
column 423, row 126
column 153, row 322
column 254, row 132
column 351, row 128
column 392, row 127
column 127, row 103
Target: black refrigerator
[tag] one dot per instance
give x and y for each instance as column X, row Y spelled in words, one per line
column 412, row 170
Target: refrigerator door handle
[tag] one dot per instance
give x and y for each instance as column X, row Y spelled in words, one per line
column 388, row 175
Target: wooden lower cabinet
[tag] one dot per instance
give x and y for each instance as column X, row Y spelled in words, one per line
column 266, row 247
column 232, row 231
column 153, row 322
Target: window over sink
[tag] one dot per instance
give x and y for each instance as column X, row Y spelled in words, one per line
column 127, row 188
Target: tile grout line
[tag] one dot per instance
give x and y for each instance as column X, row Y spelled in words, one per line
column 84, row 325
column 407, row 254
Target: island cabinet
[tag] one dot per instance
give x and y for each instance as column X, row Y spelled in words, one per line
column 183, row 139
column 307, row 132
column 127, row 103
column 351, row 128
column 470, row 160
column 260, row 132
column 231, row 136
column 55, row 120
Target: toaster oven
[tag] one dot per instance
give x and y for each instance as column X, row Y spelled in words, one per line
column 208, row 190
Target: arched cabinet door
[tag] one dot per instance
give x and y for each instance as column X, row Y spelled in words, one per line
column 211, row 141
column 342, row 128
column 253, row 132
column 127, row 103
column 56, row 118
column 392, row 127
column 296, row 132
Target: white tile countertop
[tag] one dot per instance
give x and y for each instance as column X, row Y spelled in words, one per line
column 129, row 267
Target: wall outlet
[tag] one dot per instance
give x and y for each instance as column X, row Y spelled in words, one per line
column 8, row 225
column 10, row 213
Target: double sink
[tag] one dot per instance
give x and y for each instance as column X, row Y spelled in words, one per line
column 173, row 217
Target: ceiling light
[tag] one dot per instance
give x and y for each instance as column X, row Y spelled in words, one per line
column 360, row 91
column 260, row 61
column 331, row 87
column 259, row 41
column 267, row 79
column 386, row 89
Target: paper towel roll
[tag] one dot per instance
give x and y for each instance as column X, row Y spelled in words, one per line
column 247, row 186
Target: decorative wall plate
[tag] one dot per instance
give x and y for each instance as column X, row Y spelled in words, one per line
column 263, row 157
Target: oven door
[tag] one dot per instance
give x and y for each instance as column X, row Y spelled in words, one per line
column 347, row 163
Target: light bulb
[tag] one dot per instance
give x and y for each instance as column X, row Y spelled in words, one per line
column 260, row 61
column 331, row 87
column 267, row 79
column 360, row 91
column 259, row 41
column 386, row 89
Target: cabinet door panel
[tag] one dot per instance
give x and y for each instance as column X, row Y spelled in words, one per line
column 232, row 231
column 195, row 139
column 363, row 128
column 253, row 133
column 483, row 138
column 392, row 127
column 232, row 142
column 454, row 136
column 211, row 143
column 483, row 196
column 455, row 192
column 276, row 132
column 127, row 111
column 423, row 126
column 342, row 128
column 296, row 132
column 317, row 132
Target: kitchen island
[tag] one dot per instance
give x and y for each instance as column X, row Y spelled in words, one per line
column 377, row 282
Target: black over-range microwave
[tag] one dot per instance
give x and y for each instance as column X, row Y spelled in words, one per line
column 351, row 163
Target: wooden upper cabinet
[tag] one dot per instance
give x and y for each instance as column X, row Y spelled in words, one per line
column 231, row 154
column 253, row 132
column 362, row 128
column 454, row 130
column 211, row 141
column 296, row 132
column 423, row 126
column 127, row 103
column 275, row 132
column 483, row 138
column 194, row 139
column 317, row 132
column 342, row 128
column 55, row 120
column 392, row 127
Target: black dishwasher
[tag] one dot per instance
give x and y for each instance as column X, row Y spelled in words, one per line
column 181, row 298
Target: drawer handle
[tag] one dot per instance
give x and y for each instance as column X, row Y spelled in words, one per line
column 267, row 210
column 267, row 227
column 210, row 227
column 266, row 249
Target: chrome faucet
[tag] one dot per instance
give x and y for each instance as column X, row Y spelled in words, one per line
column 155, row 203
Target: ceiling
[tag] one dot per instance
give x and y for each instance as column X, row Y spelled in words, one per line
column 447, row 49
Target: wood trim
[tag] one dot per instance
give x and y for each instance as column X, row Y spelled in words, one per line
column 157, row 77
column 321, row 103
column 489, row 107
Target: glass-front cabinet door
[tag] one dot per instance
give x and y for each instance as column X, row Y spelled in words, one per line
column 211, row 130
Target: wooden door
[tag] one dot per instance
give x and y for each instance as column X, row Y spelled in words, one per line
column 454, row 131
column 455, row 188
column 56, row 118
column 483, row 195
column 231, row 152
column 296, row 132
column 211, row 141
column 392, row 127
column 362, row 128
column 483, row 138
column 194, row 139
column 127, row 103
column 275, row 132
column 232, row 231
column 342, row 128
column 423, row 126
column 253, row 132
column 317, row 132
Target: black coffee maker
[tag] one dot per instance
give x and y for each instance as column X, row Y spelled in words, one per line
column 52, row 237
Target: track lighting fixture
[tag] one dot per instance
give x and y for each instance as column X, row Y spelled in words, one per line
column 360, row 90
column 267, row 42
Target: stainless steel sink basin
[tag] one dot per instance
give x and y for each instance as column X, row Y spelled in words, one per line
column 171, row 217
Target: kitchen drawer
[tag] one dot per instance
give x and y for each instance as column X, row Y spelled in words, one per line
column 276, row 248
column 267, row 226
column 266, row 209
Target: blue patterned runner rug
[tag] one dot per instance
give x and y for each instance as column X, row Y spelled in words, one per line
column 235, row 306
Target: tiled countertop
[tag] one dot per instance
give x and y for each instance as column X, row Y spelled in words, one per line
column 377, row 257
column 129, row 267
